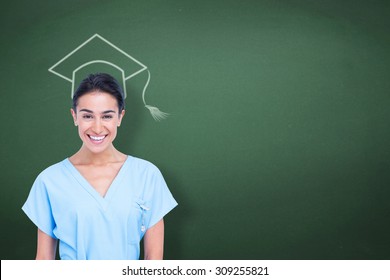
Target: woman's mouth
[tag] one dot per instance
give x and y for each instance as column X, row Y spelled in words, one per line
column 97, row 139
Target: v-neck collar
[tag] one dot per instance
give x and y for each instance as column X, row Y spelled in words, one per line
column 103, row 201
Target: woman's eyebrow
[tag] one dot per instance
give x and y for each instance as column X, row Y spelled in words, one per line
column 108, row 111
column 86, row 110
column 104, row 112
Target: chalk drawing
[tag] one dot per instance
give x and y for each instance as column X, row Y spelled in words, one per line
column 154, row 111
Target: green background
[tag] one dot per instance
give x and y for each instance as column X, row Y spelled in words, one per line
column 277, row 143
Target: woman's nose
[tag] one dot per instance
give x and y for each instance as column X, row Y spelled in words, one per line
column 97, row 126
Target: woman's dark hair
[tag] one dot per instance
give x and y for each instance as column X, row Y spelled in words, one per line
column 100, row 82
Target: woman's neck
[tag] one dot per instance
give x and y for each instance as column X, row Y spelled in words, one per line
column 86, row 157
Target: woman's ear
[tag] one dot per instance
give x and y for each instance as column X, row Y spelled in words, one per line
column 74, row 116
column 121, row 117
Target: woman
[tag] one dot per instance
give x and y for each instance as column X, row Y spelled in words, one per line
column 99, row 203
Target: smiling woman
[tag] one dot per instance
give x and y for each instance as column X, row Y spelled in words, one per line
column 97, row 116
column 99, row 203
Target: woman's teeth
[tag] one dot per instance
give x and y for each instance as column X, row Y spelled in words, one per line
column 96, row 138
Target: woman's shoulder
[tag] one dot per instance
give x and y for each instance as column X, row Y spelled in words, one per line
column 142, row 164
column 53, row 169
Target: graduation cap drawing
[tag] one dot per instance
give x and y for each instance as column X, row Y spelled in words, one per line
column 99, row 53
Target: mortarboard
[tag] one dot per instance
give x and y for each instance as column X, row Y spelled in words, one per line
column 99, row 52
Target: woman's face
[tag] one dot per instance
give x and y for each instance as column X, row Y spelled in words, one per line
column 97, row 118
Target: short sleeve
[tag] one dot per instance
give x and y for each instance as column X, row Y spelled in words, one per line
column 37, row 207
column 159, row 199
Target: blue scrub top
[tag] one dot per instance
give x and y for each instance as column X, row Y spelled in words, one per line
column 65, row 206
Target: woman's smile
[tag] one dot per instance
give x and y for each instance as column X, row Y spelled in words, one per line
column 97, row 139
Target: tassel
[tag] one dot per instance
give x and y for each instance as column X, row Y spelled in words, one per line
column 154, row 111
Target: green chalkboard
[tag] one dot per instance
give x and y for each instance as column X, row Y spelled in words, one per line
column 277, row 141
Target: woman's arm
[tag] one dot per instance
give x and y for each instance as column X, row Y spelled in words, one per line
column 154, row 242
column 46, row 247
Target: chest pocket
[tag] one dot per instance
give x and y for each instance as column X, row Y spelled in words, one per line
column 138, row 221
